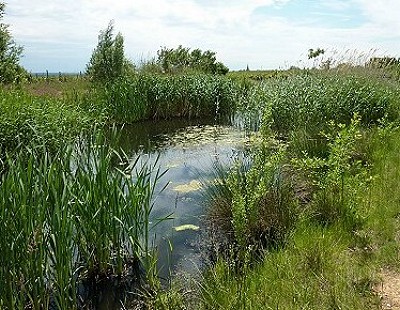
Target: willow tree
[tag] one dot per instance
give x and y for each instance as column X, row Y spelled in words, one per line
column 10, row 53
column 108, row 61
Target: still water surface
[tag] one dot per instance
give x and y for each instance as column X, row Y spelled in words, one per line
column 188, row 150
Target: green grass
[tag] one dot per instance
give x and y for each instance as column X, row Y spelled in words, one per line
column 383, row 201
column 319, row 201
column 323, row 266
column 314, row 271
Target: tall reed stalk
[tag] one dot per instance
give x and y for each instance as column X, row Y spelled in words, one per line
column 145, row 96
column 82, row 212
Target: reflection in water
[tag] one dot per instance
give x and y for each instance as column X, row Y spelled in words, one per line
column 153, row 136
column 186, row 150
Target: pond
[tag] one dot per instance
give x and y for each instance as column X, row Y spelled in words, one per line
column 188, row 151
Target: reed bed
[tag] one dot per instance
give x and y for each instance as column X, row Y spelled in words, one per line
column 310, row 100
column 141, row 97
column 69, row 216
column 27, row 119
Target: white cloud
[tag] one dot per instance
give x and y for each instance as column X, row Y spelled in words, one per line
column 383, row 14
column 70, row 29
column 338, row 5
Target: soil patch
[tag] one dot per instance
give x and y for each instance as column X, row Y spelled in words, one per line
column 389, row 290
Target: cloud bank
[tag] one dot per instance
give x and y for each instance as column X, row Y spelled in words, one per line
column 60, row 36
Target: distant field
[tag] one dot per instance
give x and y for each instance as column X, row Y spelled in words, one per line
column 55, row 85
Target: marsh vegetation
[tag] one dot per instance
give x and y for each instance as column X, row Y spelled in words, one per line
column 303, row 216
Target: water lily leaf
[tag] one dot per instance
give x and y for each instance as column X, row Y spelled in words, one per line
column 189, row 187
column 172, row 165
column 186, row 227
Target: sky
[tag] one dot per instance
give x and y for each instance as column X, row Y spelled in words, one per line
column 60, row 35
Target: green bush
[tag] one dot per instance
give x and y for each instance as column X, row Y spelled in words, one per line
column 254, row 203
column 336, row 178
column 182, row 60
column 10, row 53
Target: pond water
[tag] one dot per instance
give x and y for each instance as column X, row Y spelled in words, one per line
column 188, row 150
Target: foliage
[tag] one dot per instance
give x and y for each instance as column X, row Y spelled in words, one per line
column 326, row 266
column 255, row 201
column 144, row 96
column 28, row 120
column 346, row 207
column 336, row 214
column 336, row 178
column 313, row 271
column 70, row 216
column 108, row 61
column 315, row 53
column 10, row 53
column 381, row 202
column 309, row 101
column 181, row 59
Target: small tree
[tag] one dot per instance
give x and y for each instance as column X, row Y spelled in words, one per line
column 315, row 53
column 181, row 59
column 108, row 60
column 10, row 53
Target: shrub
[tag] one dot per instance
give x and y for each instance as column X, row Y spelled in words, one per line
column 10, row 52
column 255, row 201
column 108, row 61
column 336, row 178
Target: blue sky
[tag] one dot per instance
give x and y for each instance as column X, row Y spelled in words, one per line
column 60, row 35
column 330, row 14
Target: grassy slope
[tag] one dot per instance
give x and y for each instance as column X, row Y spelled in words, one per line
column 324, row 268
column 384, row 203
